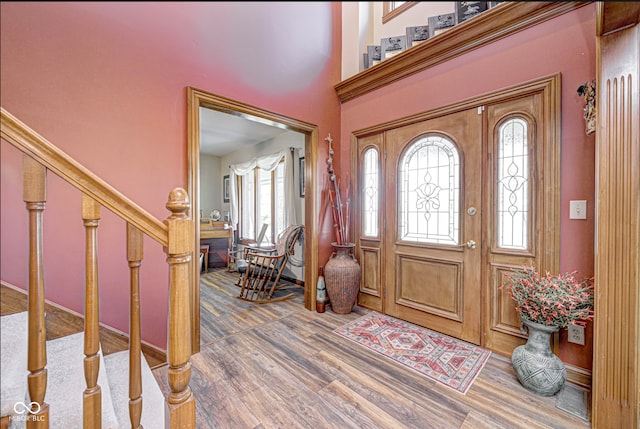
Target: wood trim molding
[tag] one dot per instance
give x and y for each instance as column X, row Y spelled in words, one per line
column 388, row 15
column 197, row 98
column 579, row 376
column 533, row 86
column 496, row 23
column 37, row 147
column 614, row 16
column 616, row 334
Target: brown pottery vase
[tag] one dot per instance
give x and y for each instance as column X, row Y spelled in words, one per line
column 342, row 278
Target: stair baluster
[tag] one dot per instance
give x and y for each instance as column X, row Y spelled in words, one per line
column 176, row 237
column 92, row 396
column 35, row 196
column 181, row 404
column 134, row 256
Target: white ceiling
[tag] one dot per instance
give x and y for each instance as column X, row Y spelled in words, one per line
column 222, row 133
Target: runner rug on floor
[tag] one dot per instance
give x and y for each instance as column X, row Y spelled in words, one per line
column 452, row 362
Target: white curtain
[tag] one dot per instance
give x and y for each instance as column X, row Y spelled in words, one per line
column 267, row 163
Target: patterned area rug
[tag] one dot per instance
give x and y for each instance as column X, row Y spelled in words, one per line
column 452, row 362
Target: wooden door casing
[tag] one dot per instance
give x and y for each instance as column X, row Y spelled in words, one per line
column 370, row 246
column 539, row 101
column 502, row 322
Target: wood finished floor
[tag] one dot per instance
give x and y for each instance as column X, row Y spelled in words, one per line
column 279, row 365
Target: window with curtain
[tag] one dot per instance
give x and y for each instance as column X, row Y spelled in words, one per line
column 262, row 201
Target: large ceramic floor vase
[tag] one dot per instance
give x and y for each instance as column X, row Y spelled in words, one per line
column 342, row 278
column 536, row 367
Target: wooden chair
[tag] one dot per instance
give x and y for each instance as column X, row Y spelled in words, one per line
column 234, row 255
column 260, row 278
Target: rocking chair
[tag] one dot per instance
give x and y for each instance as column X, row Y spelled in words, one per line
column 260, row 276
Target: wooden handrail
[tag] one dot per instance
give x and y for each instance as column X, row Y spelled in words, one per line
column 28, row 141
column 175, row 234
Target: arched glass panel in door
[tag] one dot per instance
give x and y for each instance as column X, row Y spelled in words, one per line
column 513, row 185
column 370, row 198
column 429, row 192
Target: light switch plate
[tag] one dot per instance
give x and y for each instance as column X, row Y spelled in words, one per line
column 578, row 209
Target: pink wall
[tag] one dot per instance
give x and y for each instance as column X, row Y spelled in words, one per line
column 565, row 44
column 106, row 83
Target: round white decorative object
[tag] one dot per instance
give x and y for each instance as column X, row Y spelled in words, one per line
column 215, row 215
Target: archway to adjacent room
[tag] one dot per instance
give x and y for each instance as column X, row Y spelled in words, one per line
column 197, row 99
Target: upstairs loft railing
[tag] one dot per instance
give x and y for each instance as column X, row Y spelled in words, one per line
column 174, row 234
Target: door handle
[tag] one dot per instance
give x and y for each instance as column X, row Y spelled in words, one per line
column 471, row 244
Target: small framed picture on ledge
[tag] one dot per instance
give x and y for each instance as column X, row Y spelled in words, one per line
column 373, row 55
column 468, row 9
column 441, row 23
column 391, row 46
column 417, row 35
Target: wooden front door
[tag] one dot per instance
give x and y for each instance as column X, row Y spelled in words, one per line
column 433, row 179
column 452, row 200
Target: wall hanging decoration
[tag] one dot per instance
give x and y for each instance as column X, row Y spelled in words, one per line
column 588, row 91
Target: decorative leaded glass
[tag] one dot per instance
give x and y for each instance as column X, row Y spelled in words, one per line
column 370, row 199
column 513, row 185
column 429, row 192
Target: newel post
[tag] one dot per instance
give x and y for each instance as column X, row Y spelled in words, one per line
column 181, row 405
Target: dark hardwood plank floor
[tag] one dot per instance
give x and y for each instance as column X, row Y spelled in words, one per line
column 279, row 365
column 60, row 323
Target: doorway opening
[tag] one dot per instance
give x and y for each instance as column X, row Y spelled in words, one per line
column 199, row 101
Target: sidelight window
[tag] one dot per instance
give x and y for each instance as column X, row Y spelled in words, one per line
column 370, row 198
column 513, row 185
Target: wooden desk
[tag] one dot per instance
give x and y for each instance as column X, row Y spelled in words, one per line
column 210, row 230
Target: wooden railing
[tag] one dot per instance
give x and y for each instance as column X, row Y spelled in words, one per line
column 174, row 234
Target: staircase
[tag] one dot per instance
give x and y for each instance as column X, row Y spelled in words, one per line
column 66, row 382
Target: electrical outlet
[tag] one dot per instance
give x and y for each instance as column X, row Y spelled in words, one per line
column 576, row 334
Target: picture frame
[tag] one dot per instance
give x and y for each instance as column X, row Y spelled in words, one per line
column 373, row 55
column 226, row 182
column 466, row 10
column 392, row 46
column 417, row 35
column 441, row 23
column 301, row 171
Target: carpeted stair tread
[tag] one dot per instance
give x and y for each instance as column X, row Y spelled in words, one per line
column 66, row 384
column 152, row 397
column 13, row 369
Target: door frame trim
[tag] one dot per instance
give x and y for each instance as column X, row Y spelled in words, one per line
column 197, row 98
column 550, row 88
